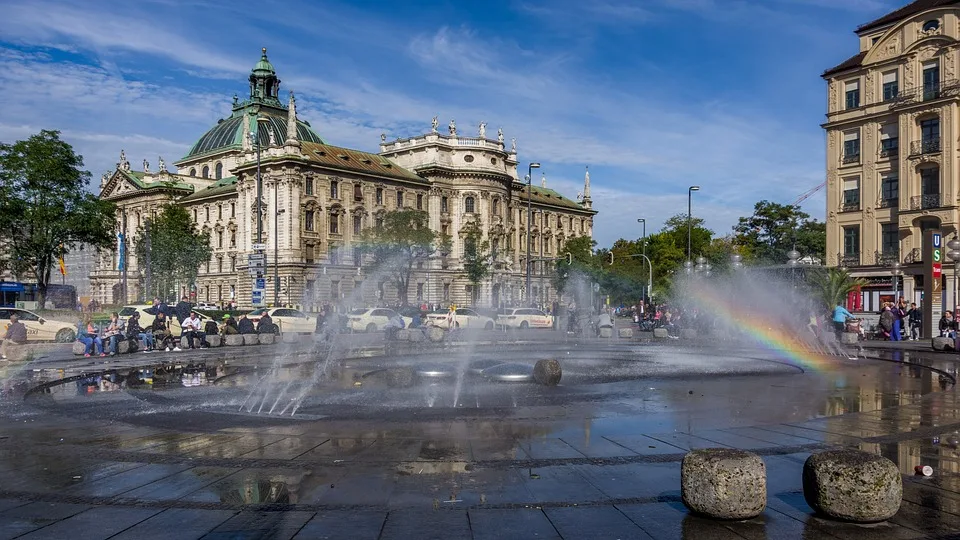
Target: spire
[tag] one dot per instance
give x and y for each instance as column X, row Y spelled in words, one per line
column 543, row 180
column 586, row 202
column 264, row 84
column 292, row 122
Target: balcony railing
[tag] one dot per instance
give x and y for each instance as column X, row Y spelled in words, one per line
column 929, row 146
column 889, row 203
column 886, row 258
column 919, row 94
column 924, row 202
column 890, row 152
column 848, row 260
column 850, row 207
column 851, row 158
column 912, row 257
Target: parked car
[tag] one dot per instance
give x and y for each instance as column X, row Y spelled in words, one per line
column 372, row 319
column 38, row 328
column 289, row 320
column 207, row 306
column 525, row 318
column 462, row 318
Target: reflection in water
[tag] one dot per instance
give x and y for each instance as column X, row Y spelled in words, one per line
column 257, row 491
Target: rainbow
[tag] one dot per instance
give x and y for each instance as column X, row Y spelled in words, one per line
column 779, row 340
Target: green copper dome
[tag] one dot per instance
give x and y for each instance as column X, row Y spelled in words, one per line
column 264, row 65
column 228, row 134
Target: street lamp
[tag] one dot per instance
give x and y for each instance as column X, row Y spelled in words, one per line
column 643, row 243
column 529, row 221
column 276, row 249
column 690, row 191
column 736, row 261
column 954, row 254
column 701, row 264
column 895, row 271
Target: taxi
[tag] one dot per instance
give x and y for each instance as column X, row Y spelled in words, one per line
column 524, row 318
column 38, row 328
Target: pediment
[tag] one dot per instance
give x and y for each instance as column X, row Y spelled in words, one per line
column 118, row 185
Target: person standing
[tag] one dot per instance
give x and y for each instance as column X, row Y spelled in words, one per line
column 915, row 321
column 16, row 334
column 898, row 316
column 183, row 309
column 840, row 316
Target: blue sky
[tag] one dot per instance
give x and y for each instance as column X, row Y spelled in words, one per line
column 653, row 95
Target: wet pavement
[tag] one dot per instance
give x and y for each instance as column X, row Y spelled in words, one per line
column 155, row 446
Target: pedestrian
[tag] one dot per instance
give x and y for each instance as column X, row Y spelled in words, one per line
column 183, row 309
column 265, row 324
column 16, row 334
column 840, row 316
column 898, row 315
column 229, row 326
column 915, row 321
column 245, row 325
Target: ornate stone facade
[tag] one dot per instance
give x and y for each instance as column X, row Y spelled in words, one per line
column 317, row 198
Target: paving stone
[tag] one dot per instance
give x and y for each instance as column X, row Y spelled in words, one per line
column 176, row 523
column 178, row 485
column 339, row 524
column 491, row 524
column 257, row 524
column 30, row 517
column 644, row 445
column 669, row 521
column 559, row 484
column 99, row 522
column 594, row 522
column 127, row 480
column 426, row 525
column 596, row 446
column 549, row 448
column 631, row 481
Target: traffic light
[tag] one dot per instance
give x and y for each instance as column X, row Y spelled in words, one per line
column 569, row 258
column 611, row 258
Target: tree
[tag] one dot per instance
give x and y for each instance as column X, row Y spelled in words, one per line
column 582, row 260
column 831, row 285
column 44, row 208
column 176, row 250
column 476, row 256
column 774, row 229
column 400, row 241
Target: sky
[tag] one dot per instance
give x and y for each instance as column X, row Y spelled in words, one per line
column 653, row 95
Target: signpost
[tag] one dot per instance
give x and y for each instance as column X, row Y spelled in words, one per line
column 933, row 251
column 256, row 264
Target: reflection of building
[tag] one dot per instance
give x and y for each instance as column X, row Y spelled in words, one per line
column 317, row 199
column 892, row 161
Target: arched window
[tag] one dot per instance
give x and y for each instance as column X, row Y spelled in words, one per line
column 496, row 207
column 219, row 170
column 357, row 192
column 193, row 172
column 468, row 205
column 206, row 172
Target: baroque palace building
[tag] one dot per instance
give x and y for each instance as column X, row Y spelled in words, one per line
column 893, row 143
column 317, row 198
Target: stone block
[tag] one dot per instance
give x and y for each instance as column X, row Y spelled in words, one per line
column 78, row 348
column 688, row 333
column 851, row 485
column 403, row 335
column 125, row 346
column 214, row 340
column 625, row 332
column 547, row 372
column 849, row 338
column 943, row 344
column 606, row 332
column 416, row 335
column 724, row 483
column 251, row 339
column 644, row 335
column 290, row 337
column 232, row 340
column 267, row 339
column 660, row 333
column 185, row 344
column 435, row 334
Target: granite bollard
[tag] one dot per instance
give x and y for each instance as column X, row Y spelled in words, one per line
column 724, row 483
column 851, row 485
column 232, row 340
column 267, row 339
column 251, row 339
column 547, row 372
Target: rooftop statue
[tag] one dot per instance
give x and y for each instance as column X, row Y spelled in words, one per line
column 434, row 124
column 483, row 130
column 146, row 166
column 453, row 127
column 500, row 135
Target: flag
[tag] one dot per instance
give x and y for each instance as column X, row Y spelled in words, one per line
column 63, row 266
column 121, row 260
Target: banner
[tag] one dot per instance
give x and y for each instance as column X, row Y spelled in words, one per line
column 63, row 265
column 121, row 260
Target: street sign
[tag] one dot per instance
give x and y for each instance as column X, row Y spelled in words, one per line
column 937, row 270
column 256, row 257
column 258, row 247
column 255, row 271
column 260, row 283
column 257, row 298
column 256, row 264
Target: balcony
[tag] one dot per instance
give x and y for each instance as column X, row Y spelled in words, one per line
column 848, row 260
column 929, row 146
column 851, row 158
column 925, row 202
column 889, row 203
column 853, row 206
column 920, row 94
column 891, row 151
column 887, row 258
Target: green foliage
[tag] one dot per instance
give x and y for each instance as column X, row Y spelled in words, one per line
column 476, row 256
column 831, row 285
column 771, row 231
column 583, row 261
column 44, row 208
column 403, row 239
column 177, row 250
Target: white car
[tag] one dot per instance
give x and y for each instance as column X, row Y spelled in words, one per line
column 462, row 318
column 289, row 320
column 206, row 306
column 38, row 328
column 372, row 319
column 524, row 318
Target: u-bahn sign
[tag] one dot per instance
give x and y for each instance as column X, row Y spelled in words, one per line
column 932, row 280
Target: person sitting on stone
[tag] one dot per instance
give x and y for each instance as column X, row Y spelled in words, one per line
column 87, row 334
column 229, row 326
column 245, row 326
column 265, row 325
column 192, row 330
column 16, row 334
column 135, row 332
column 113, row 333
column 210, row 328
column 161, row 332
column 394, row 325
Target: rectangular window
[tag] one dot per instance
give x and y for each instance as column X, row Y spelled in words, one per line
column 207, row 213
column 889, row 239
column 889, row 140
column 851, row 241
column 334, row 255
column 931, row 80
column 419, row 291
column 399, row 199
column 233, row 264
column 357, row 224
column 851, row 194
column 889, row 190
column 357, row 257
column 891, row 87
column 335, row 224
column 219, row 239
column 443, row 204
column 233, row 239
column 851, row 147
column 233, row 210
column 308, row 186
column 357, row 192
column 852, row 93
column 379, row 195
column 308, row 217
column 929, row 189
column 219, row 211
column 419, row 201
column 446, row 291
column 334, row 190
column 930, row 135
column 220, row 265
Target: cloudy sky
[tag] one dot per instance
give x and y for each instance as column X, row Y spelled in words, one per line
column 653, row 95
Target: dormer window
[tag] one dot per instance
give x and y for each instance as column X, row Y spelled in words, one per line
column 931, row 25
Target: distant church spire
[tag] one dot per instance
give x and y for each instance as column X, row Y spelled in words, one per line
column 292, row 122
column 586, row 202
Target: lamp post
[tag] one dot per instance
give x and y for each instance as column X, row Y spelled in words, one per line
column 643, row 247
column 736, row 261
column 255, row 139
column 530, row 169
column 895, row 271
column 954, row 254
column 276, row 248
column 690, row 191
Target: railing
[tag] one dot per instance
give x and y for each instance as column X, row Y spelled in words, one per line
column 924, row 202
column 929, row 146
column 848, row 260
column 889, row 203
column 852, row 158
column 890, row 151
column 886, row 258
column 919, row 94
column 912, row 257
column 850, row 207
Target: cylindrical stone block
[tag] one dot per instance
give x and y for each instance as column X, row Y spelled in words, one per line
column 660, row 333
column 214, row 340
column 852, row 485
column 435, row 334
column 267, row 339
column 606, row 332
column 290, row 337
column 724, row 483
column 547, row 372
column 943, row 344
column 233, row 340
column 625, row 332
column 251, row 339
column 79, row 348
column 416, row 335
column 849, row 338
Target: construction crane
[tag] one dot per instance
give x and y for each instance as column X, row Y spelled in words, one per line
column 807, row 194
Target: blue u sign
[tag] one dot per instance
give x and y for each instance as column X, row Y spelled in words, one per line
column 937, row 240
